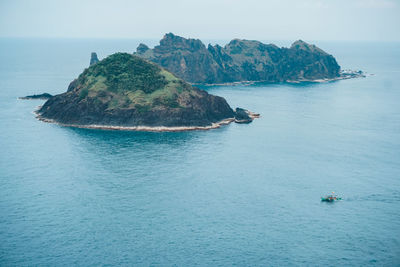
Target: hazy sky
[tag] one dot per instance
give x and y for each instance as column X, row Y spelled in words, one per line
column 204, row 19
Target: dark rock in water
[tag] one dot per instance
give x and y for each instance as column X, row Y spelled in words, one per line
column 72, row 85
column 41, row 96
column 128, row 91
column 93, row 59
column 242, row 116
column 240, row 60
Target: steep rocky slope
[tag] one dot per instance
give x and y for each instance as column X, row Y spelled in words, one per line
column 126, row 91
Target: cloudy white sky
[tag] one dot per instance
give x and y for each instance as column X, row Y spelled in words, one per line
column 360, row 20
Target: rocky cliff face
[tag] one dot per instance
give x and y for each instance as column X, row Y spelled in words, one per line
column 125, row 90
column 240, row 60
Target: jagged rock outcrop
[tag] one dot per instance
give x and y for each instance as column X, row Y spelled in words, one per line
column 93, row 59
column 126, row 90
column 242, row 116
column 240, row 60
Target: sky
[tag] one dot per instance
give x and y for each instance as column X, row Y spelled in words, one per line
column 342, row 20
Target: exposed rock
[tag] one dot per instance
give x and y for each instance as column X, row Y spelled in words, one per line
column 124, row 90
column 40, row 96
column 348, row 74
column 240, row 60
column 245, row 116
column 241, row 116
column 93, row 59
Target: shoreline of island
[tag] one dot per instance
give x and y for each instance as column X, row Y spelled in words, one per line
column 141, row 128
column 345, row 75
column 144, row 128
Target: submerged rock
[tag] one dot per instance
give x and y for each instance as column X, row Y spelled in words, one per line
column 40, row 96
column 127, row 91
column 240, row 60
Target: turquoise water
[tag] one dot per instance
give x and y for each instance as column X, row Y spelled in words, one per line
column 244, row 195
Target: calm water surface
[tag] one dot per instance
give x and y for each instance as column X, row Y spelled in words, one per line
column 244, row 195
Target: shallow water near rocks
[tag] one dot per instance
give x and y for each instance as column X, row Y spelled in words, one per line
column 245, row 195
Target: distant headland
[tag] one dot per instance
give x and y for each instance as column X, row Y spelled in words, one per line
column 243, row 61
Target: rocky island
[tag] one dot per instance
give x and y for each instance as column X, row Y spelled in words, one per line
column 241, row 61
column 124, row 91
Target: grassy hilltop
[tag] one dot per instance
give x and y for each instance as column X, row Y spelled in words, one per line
column 126, row 90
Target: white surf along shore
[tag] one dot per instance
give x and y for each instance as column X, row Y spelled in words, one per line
column 344, row 75
column 145, row 128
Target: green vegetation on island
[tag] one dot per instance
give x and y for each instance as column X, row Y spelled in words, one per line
column 240, row 60
column 126, row 90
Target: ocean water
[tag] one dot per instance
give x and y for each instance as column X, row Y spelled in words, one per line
column 241, row 195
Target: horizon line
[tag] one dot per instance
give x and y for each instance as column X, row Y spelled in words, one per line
column 202, row 38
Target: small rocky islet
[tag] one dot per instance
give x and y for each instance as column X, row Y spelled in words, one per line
column 124, row 91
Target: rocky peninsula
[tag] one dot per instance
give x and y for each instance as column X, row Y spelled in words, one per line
column 241, row 61
column 43, row 96
column 127, row 92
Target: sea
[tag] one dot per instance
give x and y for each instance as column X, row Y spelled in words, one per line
column 240, row 195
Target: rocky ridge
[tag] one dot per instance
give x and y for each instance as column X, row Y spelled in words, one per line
column 240, row 60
